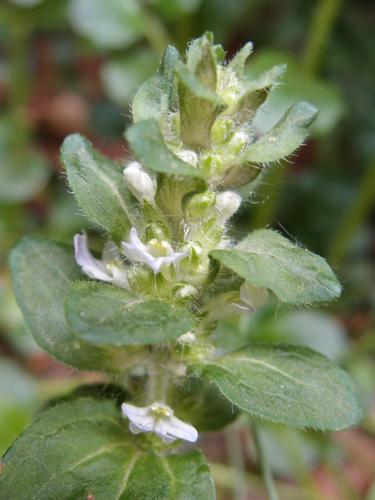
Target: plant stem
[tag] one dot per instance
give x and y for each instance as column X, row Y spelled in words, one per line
column 354, row 216
column 323, row 19
column 264, row 465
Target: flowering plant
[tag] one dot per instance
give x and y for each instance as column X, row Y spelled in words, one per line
column 147, row 311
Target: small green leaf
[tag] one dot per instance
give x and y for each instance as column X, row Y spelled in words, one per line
column 325, row 95
column 42, row 274
column 268, row 260
column 287, row 384
column 285, row 137
column 237, row 64
column 199, row 106
column 147, row 144
column 103, row 314
column 201, row 60
column 157, row 95
column 256, row 93
column 98, row 186
column 83, row 448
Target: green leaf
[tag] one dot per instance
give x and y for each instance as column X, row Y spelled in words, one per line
column 285, row 137
column 287, row 384
column 147, row 144
column 83, row 448
column 157, row 95
column 42, row 275
column 98, row 186
column 122, row 77
column 268, row 260
column 201, row 60
column 323, row 94
column 199, row 106
column 237, row 64
column 103, row 314
column 108, row 25
column 256, row 92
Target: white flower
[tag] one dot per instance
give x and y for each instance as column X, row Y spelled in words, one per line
column 106, row 269
column 227, row 204
column 139, row 182
column 159, row 419
column 151, row 254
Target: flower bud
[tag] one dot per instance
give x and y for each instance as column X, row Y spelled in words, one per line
column 188, row 156
column 199, row 204
column 239, row 141
column 227, row 204
column 186, row 291
column 212, row 165
column 139, row 182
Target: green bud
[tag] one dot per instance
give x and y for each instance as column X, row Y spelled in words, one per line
column 199, row 204
column 222, row 130
column 212, row 165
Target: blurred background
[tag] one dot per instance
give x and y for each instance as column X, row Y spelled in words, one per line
column 73, row 65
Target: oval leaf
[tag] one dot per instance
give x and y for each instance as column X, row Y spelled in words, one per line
column 147, row 143
column 104, row 314
column 98, row 186
column 287, row 384
column 42, row 275
column 83, row 449
column 285, row 137
column 293, row 274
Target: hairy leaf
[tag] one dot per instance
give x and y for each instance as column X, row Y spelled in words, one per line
column 157, row 95
column 82, row 448
column 295, row 275
column 42, row 275
column 99, row 187
column 256, row 93
column 104, row 314
column 287, row 384
column 285, row 137
column 147, row 143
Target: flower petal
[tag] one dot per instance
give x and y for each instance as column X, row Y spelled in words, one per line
column 178, row 429
column 94, row 268
column 136, row 251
